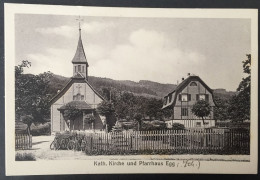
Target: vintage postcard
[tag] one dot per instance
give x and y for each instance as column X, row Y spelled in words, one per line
column 98, row 90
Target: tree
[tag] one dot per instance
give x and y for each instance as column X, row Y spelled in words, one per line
column 168, row 112
column 106, row 108
column 201, row 109
column 138, row 119
column 239, row 108
column 154, row 109
column 27, row 119
column 221, row 108
column 71, row 113
column 31, row 95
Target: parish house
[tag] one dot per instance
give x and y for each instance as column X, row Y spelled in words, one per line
column 182, row 99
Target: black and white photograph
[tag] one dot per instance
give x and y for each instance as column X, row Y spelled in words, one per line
column 125, row 90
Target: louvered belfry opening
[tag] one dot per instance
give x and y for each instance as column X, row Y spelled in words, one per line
column 79, row 61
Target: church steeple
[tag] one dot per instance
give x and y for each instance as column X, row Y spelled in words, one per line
column 79, row 61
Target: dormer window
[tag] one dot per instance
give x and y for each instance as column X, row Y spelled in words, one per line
column 170, row 97
column 193, row 84
column 165, row 100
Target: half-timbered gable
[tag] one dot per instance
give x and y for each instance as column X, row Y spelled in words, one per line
column 186, row 94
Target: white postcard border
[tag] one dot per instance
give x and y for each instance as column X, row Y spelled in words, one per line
column 86, row 167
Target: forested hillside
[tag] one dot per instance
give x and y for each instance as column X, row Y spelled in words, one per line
column 142, row 88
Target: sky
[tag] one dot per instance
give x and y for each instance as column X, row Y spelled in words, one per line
column 158, row 49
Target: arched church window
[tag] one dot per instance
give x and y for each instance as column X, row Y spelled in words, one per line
column 75, row 68
column 193, row 84
column 78, row 97
column 79, row 68
column 83, row 69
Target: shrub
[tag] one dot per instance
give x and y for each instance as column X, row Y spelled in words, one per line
column 43, row 129
column 153, row 125
column 25, row 157
column 178, row 126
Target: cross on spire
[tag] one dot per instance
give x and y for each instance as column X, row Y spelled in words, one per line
column 79, row 19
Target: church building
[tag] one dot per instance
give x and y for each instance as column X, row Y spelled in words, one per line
column 77, row 93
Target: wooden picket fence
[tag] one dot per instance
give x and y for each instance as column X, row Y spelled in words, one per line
column 193, row 141
column 23, row 141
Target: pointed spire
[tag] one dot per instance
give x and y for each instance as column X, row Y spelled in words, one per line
column 80, row 56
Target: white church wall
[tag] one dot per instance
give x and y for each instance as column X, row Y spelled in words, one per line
column 55, row 117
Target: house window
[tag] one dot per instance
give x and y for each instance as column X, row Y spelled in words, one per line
column 79, row 68
column 198, row 124
column 204, row 97
column 170, row 97
column 165, row 100
column 193, row 84
column 184, row 97
column 184, row 111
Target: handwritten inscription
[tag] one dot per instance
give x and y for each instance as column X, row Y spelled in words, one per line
column 184, row 164
column 169, row 163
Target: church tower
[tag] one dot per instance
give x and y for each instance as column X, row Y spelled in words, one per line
column 79, row 61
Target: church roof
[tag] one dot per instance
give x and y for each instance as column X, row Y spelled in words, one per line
column 78, row 76
column 69, row 84
column 80, row 56
column 82, row 105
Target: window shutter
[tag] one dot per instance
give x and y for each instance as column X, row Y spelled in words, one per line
column 179, row 97
column 197, row 97
column 189, row 97
column 207, row 98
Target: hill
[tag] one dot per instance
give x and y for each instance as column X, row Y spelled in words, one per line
column 142, row 88
column 223, row 94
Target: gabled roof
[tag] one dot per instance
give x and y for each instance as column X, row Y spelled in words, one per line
column 79, row 104
column 78, row 76
column 80, row 56
column 183, row 84
column 68, row 85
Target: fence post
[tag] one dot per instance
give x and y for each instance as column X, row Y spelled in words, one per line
column 131, row 141
column 29, row 142
column 91, row 143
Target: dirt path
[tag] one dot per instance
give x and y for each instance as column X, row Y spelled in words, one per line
column 41, row 150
